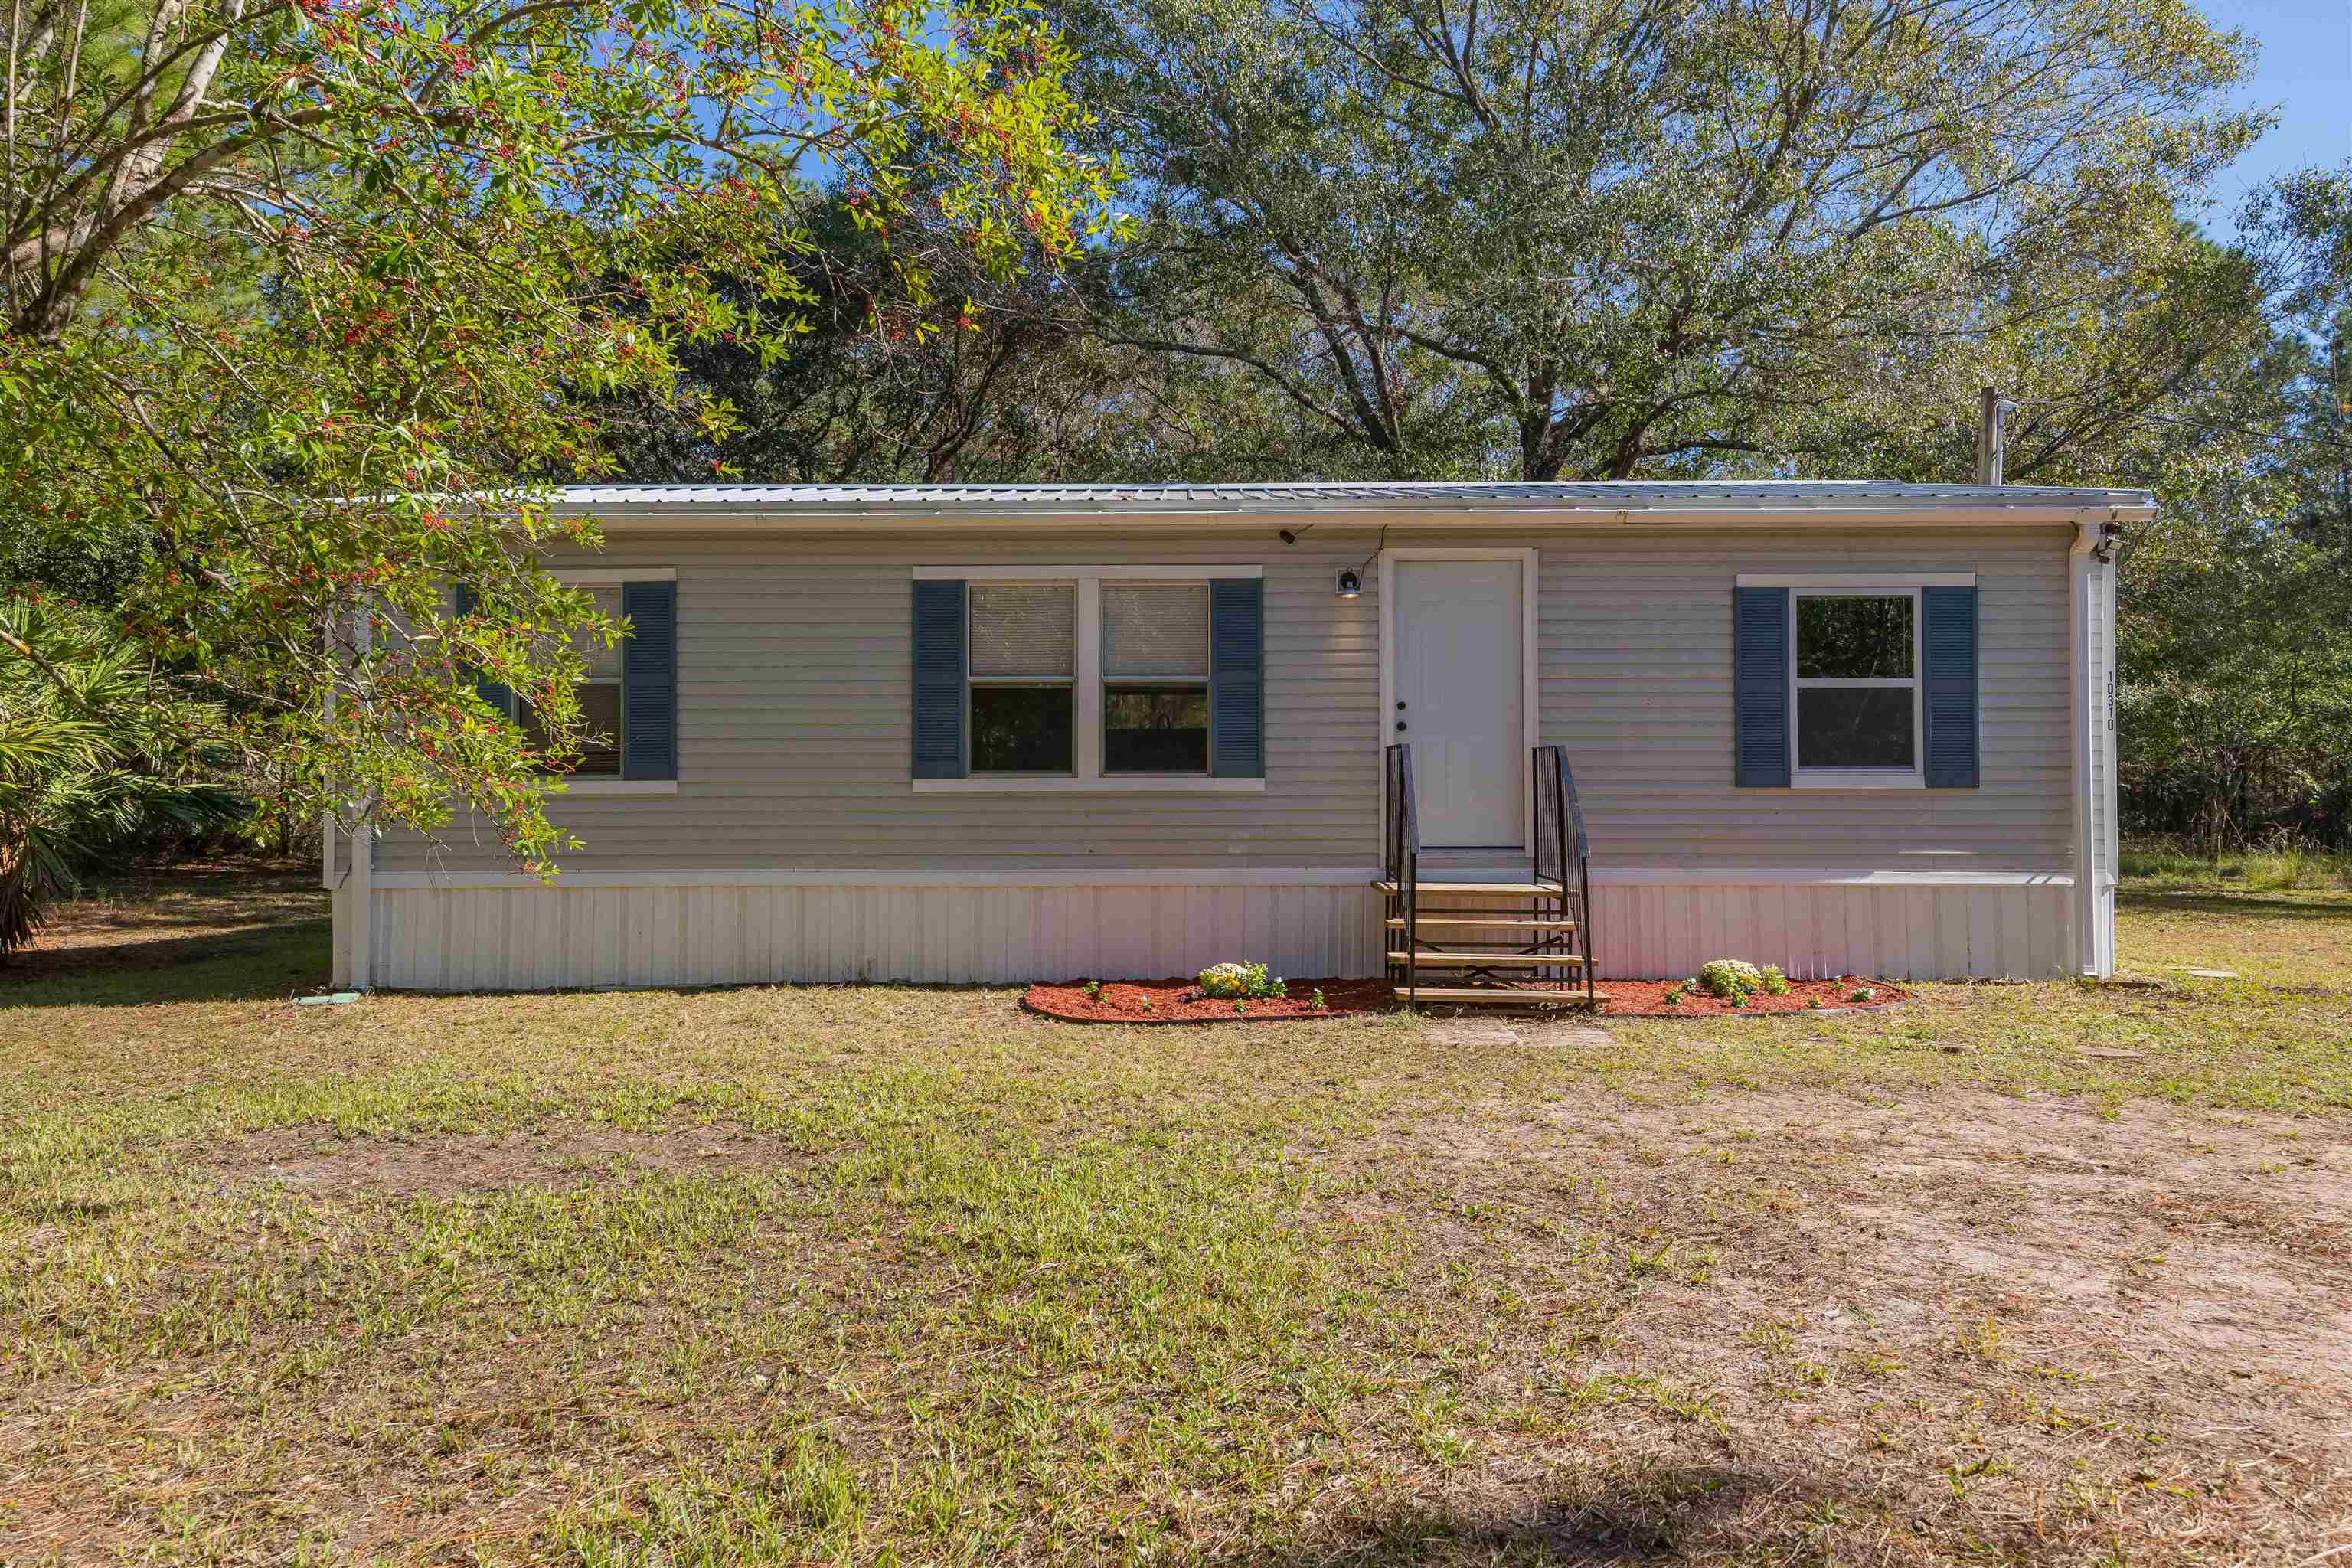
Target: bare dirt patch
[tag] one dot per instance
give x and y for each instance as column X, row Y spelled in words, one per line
column 1539, row 1034
column 1980, row 1319
column 317, row 1160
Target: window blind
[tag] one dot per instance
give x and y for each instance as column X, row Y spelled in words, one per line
column 1024, row 628
column 1155, row 629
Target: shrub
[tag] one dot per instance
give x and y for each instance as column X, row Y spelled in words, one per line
column 1315, row 1004
column 1673, row 996
column 1861, row 994
column 1730, row 978
column 1239, row 980
column 96, row 764
column 1775, row 983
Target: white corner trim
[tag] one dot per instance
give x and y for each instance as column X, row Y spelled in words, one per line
column 605, row 577
column 1024, row 572
column 1862, row 581
column 2085, row 712
column 1101, row 784
column 574, row 787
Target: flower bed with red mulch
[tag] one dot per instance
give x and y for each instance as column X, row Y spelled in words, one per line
column 1180, row 1001
column 1647, row 999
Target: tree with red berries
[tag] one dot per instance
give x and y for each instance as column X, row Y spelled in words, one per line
column 301, row 301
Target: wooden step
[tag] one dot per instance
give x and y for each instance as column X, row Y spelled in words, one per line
column 1498, row 889
column 1501, row 996
column 1498, row 959
column 1505, row 922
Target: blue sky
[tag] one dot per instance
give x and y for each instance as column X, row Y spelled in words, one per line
column 2305, row 73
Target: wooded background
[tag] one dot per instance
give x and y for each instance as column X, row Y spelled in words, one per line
column 303, row 297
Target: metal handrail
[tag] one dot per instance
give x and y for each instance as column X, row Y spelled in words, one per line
column 1555, row 795
column 1400, row 857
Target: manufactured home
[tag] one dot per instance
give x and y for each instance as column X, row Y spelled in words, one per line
column 996, row 733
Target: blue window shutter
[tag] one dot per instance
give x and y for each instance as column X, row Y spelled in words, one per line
column 1948, row 635
column 1759, row 687
column 488, row 690
column 1237, row 678
column 940, row 678
column 649, row 681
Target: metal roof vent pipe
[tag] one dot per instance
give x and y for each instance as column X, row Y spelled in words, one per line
column 1992, row 409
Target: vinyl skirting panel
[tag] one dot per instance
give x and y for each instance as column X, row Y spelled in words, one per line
column 1886, row 931
column 695, row 934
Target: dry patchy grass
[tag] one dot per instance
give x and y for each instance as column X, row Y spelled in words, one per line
column 894, row 1274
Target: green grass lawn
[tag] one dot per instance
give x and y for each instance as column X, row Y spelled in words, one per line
column 2038, row 1273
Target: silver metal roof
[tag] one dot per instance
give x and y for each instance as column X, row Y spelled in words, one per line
column 1645, row 496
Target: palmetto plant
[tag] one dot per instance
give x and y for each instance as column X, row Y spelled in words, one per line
column 96, row 755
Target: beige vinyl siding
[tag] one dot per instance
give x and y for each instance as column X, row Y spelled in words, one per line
column 1636, row 682
column 794, row 679
column 794, row 712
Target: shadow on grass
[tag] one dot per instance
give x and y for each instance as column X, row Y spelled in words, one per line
column 256, row 964
column 2283, row 905
column 1638, row 1514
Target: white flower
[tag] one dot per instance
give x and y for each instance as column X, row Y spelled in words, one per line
column 1729, row 977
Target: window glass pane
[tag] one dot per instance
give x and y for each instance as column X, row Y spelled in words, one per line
column 1853, row 727
column 600, row 718
column 1020, row 729
column 1155, row 730
column 1854, row 636
column 1024, row 628
column 604, row 663
column 1155, row 628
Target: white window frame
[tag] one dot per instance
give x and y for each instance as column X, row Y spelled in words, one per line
column 1856, row 586
column 606, row 577
column 1086, row 717
column 973, row 682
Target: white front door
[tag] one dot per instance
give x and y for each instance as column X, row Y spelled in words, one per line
column 1460, row 699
